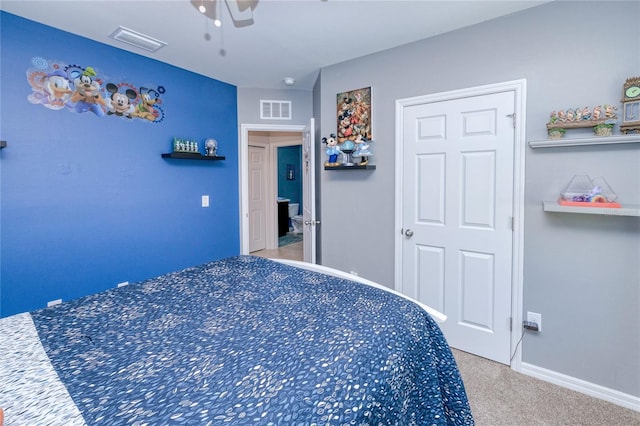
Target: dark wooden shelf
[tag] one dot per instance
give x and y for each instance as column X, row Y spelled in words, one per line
column 354, row 167
column 191, row 156
column 3, row 144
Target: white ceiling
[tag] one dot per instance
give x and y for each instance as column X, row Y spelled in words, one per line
column 290, row 38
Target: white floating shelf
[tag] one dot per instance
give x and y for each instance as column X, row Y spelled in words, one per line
column 592, row 140
column 625, row 210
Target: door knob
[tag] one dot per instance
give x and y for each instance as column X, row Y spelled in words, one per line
column 307, row 222
column 312, row 222
column 408, row 233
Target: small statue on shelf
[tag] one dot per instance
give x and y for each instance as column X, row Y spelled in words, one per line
column 362, row 150
column 602, row 119
column 347, row 147
column 586, row 113
column 211, row 146
column 332, row 150
column 610, row 111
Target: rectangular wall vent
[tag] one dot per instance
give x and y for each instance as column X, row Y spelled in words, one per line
column 137, row 39
column 275, row 110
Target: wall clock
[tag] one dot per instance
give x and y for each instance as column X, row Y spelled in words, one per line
column 631, row 106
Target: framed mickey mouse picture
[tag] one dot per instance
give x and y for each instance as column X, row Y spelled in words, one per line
column 354, row 114
column 631, row 106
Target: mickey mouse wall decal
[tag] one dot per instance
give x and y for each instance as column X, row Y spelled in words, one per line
column 120, row 103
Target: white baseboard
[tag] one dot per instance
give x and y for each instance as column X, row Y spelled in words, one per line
column 582, row 386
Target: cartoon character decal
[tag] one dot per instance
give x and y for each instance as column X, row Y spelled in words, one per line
column 87, row 95
column 119, row 103
column 148, row 107
column 52, row 90
column 79, row 89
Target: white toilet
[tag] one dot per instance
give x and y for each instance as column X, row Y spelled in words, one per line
column 296, row 219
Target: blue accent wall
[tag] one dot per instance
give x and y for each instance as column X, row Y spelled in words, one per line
column 86, row 201
column 291, row 189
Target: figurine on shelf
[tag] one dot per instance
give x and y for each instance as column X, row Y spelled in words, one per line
column 578, row 114
column 362, row 150
column 347, row 147
column 332, row 150
column 602, row 119
column 211, row 146
column 570, row 114
column 586, row 113
column 610, row 111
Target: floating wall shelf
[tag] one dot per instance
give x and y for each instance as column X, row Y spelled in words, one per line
column 593, row 140
column 625, row 210
column 191, row 156
column 354, row 167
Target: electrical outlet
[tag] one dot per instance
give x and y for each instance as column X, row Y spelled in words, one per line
column 536, row 318
column 205, row 201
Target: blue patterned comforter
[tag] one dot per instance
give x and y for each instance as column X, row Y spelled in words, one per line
column 247, row 340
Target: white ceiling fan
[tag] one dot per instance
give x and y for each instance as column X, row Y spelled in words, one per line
column 241, row 11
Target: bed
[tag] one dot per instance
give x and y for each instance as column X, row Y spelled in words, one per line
column 243, row 340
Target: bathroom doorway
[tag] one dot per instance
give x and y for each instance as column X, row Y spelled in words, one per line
column 281, row 187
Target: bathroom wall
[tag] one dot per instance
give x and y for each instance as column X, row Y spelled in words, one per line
column 291, row 189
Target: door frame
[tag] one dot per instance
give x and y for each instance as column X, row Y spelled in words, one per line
column 517, row 273
column 243, row 175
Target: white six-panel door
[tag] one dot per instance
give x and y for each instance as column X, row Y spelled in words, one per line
column 257, row 198
column 457, row 212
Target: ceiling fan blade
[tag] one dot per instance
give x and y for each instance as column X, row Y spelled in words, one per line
column 241, row 11
column 210, row 8
column 241, row 15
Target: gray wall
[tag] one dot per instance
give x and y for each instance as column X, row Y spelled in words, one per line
column 249, row 105
column 581, row 272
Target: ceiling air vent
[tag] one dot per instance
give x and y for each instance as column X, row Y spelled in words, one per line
column 137, row 39
column 275, row 110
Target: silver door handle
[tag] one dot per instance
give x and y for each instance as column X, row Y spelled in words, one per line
column 312, row 222
column 408, row 233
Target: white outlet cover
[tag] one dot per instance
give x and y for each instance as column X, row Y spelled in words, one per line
column 205, row 201
column 535, row 317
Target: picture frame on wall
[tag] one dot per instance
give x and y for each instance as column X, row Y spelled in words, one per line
column 354, row 115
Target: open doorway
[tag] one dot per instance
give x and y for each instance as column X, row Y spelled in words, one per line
column 274, row 176
column 274, row 165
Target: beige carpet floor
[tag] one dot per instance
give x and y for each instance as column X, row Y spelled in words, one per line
column 500, row 396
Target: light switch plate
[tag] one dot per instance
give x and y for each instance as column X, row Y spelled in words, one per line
column 205, row 201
